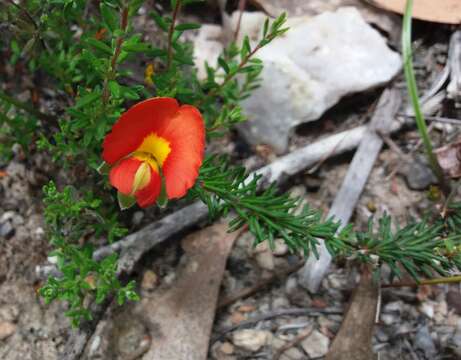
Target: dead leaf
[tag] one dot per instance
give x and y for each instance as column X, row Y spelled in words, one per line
column 441, row 11
column 180, row 314
column 449, row 158
column 424, row 292
column 237, row 317
column 354, row 339
column 3, row 173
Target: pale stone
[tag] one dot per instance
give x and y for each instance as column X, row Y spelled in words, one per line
column 6, row 329
column 207, row 47
column 310, row 68
column 316, row 344
column 227, row 348
column 265, row 260
column 280, row 247
column 149, row 280
column 250, row 339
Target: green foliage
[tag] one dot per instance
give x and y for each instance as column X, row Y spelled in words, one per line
column 71, row 220
column 269, row 215
column 90, row 53
column 11, row 126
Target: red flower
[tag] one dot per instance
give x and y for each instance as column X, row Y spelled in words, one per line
column 153, row 138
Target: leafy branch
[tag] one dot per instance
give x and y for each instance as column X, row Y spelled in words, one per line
column 246, row 53
column 269, row 215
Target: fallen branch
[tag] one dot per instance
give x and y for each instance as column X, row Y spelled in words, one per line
column 354, row 182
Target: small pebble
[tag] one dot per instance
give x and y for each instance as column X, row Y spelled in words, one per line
column 250, row 339
column 316, row 344
column 227, row 348
column 149, row 280
column 6, row 230
column 6, row 329
column 280, row 248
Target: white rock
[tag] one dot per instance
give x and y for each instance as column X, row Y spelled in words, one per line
column 291, row 285
column 265, row 260
column 250, row 339
column 388, row 319
column 280, row 247
column 318, row 61
column 263, row 256
column 207, row 47
column 427, row 308
column 316, row 344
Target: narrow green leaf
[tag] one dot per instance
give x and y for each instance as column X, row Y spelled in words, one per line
column 224, row 65
column 246, row 48
column 139, row 47
column 160, row 21
column 110, row 16
column 114, row 88
column 87, row 99
column 188, row 26
column 162, row 200
column 100, row 46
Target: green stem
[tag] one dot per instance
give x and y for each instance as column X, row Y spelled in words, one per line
column 170, row 34
column 413, row 93
column 113, row 61
column 436, row 281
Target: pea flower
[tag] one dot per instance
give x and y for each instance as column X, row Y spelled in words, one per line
column 155, row 149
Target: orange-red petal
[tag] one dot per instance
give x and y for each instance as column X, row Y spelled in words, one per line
column 151, row 115
column 121, row 176
column 148, row 195
column 186, row 134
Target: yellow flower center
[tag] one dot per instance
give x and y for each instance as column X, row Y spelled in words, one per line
column 154, row 150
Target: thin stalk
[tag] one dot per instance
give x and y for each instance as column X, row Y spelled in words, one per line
column 436, row 281
column 118, row 49
column 413, row 93
column 170, row 33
